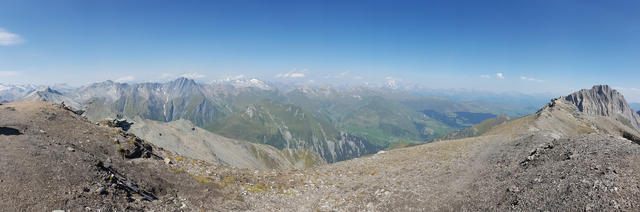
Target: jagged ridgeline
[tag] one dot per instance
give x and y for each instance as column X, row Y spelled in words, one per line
column 337, row 124
column 254, row 114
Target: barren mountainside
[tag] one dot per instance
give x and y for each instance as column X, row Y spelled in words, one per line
column 336, row 123
column 560, row 158
column 183, row 137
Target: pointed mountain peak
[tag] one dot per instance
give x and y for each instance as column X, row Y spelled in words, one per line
column 599, row 100
column 602, row 100
column 183, row 81
column 48, row 89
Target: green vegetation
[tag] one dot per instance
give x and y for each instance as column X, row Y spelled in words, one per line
column 303, row 118
column 257, row 188
column 203, row 179
column 477, row 129
column 385, row 123
column 122, row 151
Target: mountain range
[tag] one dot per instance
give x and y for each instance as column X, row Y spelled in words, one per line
column 578, row 152
column 337, row 124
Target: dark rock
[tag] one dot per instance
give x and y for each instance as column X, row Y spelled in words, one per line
column 102, row 191
column 9, row 131
column 118, row 123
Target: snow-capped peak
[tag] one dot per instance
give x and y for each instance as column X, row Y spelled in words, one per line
column 241, row 82
column 256, row 83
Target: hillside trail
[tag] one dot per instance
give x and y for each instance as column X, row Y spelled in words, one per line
column 432, row 177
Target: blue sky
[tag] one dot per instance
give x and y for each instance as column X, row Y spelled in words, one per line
column 536, row 46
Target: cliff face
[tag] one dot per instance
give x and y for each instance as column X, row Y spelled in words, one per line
column 601, row 100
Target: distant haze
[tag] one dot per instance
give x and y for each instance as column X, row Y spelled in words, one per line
column 524, row 46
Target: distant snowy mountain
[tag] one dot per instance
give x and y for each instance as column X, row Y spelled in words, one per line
column 12, row 93
column 338, row 123
column 245, row 83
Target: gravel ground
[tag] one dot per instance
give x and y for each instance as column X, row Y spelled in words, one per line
column 58, row 160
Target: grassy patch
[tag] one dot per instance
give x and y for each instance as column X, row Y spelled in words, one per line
column 122, row 151
column 257, row 188
column 203, row 179
column 227, row 180
column 176, row 170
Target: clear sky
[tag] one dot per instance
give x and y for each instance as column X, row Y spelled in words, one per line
column 523, row 45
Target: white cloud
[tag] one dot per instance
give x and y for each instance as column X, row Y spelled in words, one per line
column 166, row 76
column 237, row 77
column 9, row 73
column 230, row 78
column 125, row 79
column 337, row 76
column 296, row 75
column 530, row 79
column 392, row 82
column 485, row 76
column 193, row 76
column 9, row 39
column 499, row 75
column 293, row 74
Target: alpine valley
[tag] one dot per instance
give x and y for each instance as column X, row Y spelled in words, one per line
column 298, row 126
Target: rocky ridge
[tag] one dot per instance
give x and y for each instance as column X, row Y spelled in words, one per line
column 601, row 100
column 183, row 137
column 559, row 158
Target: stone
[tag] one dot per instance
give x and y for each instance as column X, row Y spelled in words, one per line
column 118, row 123
column 101, row 190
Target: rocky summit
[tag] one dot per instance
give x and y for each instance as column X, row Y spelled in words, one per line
column 601, row 100
column 574, row 154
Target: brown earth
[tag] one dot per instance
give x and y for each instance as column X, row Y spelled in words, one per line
column 557, row 160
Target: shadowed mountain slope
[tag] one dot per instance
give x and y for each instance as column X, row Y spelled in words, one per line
column 560, row 158
column 181, row 136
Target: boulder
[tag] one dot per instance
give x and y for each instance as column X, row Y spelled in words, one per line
column 119, row 123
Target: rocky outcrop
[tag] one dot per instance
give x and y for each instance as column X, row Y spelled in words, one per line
column 601, row 100
column 118, row 123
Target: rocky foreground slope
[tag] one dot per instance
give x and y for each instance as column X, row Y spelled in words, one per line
column 185, row 138
column 560, row 158
column 51, row 158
